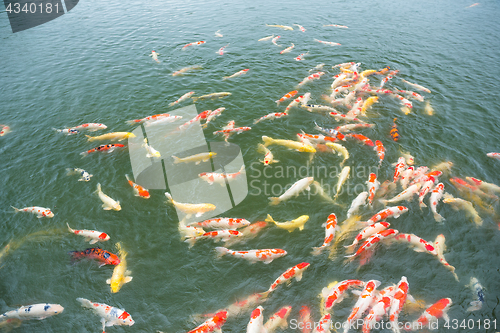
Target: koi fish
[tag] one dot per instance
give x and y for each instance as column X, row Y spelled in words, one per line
column 361, row 138
column 67, row 131
column 189, row 231
column 212, row 115
column 440, row 248
column 120, row 136
column 186, row 69
column 335, row 25
column 404, row 195
column 345, row 64
column 339, row 149
column 256, row 323
column 293, row 272
column 293, row 191
column 120, row 273
column 311, row 77
column 197, row 118
column 398, row 301
column 244, row 71
column 268, row 155
column 359, row 201
column 330, row 131
column 211, row 96
column 234, row 130
column 266, row 38
column 428, row 108
column 248, row 232
column 109, row 148
column 418, row 244
column 154, row 55
column 34, row 311
column 220, row 178
column 373, row 240
column 288, row 49
column 483, row 185
column 152, row 153
column 223, row 223
column 363, row 302
column 394, row 131
column 190, row 209
column 301, row 56
column 433, row 313
column 350, row 127
column 318, row 108
column 473, row 5
column 139, row 191
column 457, row 204
column 367, row 232
column 218, row 235
column 379, row 148
column 103, row 256
column 91, row 127
column 278, row 320
column 336, row 294
column 271, row 116
column 84, row 175
column 275, row 39
column 395, row 212
column 38, row 211
column 412, row 94
column 299, row 146
column 182, row 98
column 419, row 87
column 376, row 313
column 193, row 44
column 437, row 194
column 298, row 223
column 477, row 289
column 400, row 166
column 326, row 43
column 107, row 202
column 264, row 255
column 305, row 319
column 344, row 175
column 221, row 50
column 494, row 155
column 293, row 103
column 330, row 227
column 324, row 324
column 91, row 236
column 300, row 27
column 197, row 158
column 284, row 27
column 310, row 138
column 406, row 176
column 213, row 324
column 149, row 118
column 287, row 96
column 110, row 315
column 373, row 185
column 369, row 102
column 6, row 129
column 218, row 34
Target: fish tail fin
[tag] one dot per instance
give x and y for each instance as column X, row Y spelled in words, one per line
column 131, row 122
column 265, row 294
column 85, row 153
column 128, row 178
column 70, row 230
column 85, row 302
column 274, row 201
column 190, row 240
column 270, row 219
column 261, row 148
column 220, row 251
column 267, row 140
column 176, row 159
column 350, row 248
column 16, row 210
column 438, row 217
column 70, row 171
column 194, row 99
column 242, row 169
column 317, row 251
column 475, row 305
column 169, row 197
column 98, row 188
column 89, row 138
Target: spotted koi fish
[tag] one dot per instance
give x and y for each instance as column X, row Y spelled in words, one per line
column 395, row 212
column 311, row 138
column 418, row 244
column 361, row 138
column 220, row 178
column 103, row 256
column 6, row 129
column 34, row 311
column 109, row 314
column 293, row 272
column 198, row 117
column 218, row 235
column 398, row 301
column 379, row 148
column 363, row 302
column 38, row 211
column 182, row 98
column 186, row 69
column 268, row 155
column 300, row 27
column 331, row 132
column 330, row 228
column 311, row 77
column 326, row 43
column 288, row 49
column 84, row 175
column 305, row 319
column 373, row 240
column 287, row 96
column 278, row 320
column 244, row 71
column 434, row 312
column 193, row 44
column 139, row 191
column 223, row 223
column 400, row 166
column 264, row 255
column 91, row 236
column 336, row 294
column 221, row 50
column 149, row 118
column 373, row 186
column 301, row 56
column 91, row 127
column 271, row 116
column 109, row 148
column 256, row 323
column 367, row 232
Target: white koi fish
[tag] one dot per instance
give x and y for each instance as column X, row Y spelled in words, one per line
column 218, row 34
column 109, row 314
column 182, row 98
column 288, row 49
column 211, row 96
column 344, row 175
column 405, row 195
column 243, row 71
column 221, row 50
column 293, row 191
column 186, row 69
column 91, row 236
column 330, row 227
column 152, row 153
column 120, row 136
column 359, row 201
column 419, row 87
column 362, row 303
column 214, row 114
column 300, row 27
column 264, row 255
column 293, row 272
column 367, row 232
column 223, row 223
column 268, row 155
column 339, row 81
column 277, row 320
column 38, row 211
column 418, row 244
column 256, row 323
column 284, row 27
column 440, row 248
column 162, row 121
column 197, row 158
column 311, row 77
column 187, row 231
column 335, row 25
column 108, row 203
column 271, row 116
column 301, row 56
column 293, row 103
column 477, row 289
column 266, row 38
column 154, row 55
column 275, row 39
column 190, row 209
column 297, row 223
column 220, row 178
column 437, row 194
column 84, row 175
column 406, row 176
column 34, row 311
column 217, row 236
column 149, row 118
column 326, row 43
column 494, row 155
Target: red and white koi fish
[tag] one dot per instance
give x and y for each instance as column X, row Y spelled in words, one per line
column 412, row 94
column 213, row 324
column 473, row 5
column 109, row 314
column 310, row 138
column 339, row 117
column 182, row 98
column 376, row 313
column 266, row 38
column 384, row 81
column 67, row 131
column 440, row 248
column 330, row 228
column 338, row 83
column 243, row 71
column 109, row 148
column 419, row 87
column 301, row 56
column 287, row 96
column 91, row 236
column 395, row 212
column 139, row 191
column 335, row 25
column 311, row 77
column 418, row 244
column 336, row 294
column 318, row 108
column 218, row 34
column 483, row 185
column 154, row 55
column 324, row 324
column 288, row 49
column 404, row 195
column 300, row 27
column 271, row 116
column 426, row 187
column 361, row 138
column 405, row 177
column 293, row 272
column 350, row 127
column 223, row 223
column 91, row 127
column 326, row 43
column 433, row 313
column 359, row 201
column 217, row 235
column 330, row 132
column 199, row 117
column 293, row 191
column 221, row 50
column 185, row 69
column 437, row 194
column 193, row 44
column 403, row 100
column 363, row 302
column 34, row 311
column 494, row 155
column 234, row 130
column 278, row 320
column 398, row 301
column 268, row 155
column 275, row 39
column 373, row 240
column 373, row 186
column 264, row 255
column 345, row 64
column 379, row 148
column 149, row 118
column 284, row 27
column 305, row 319
column 161, row 121
column 38, row 211
column 293, row 103
column 6, row 129
column 367, row 232
column 356, row 108
column 212, row 115
column 400, row 166
column 256, row 323
column 419, row 174
column 220, row 178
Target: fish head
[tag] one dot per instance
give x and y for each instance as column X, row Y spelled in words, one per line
column 111, row 259
column 53, row 309
column 303, row 265
column 103, row 236
column 145, row 194
column 126, row 319
column 117, row 206
column 130, row 135
column 48, row 213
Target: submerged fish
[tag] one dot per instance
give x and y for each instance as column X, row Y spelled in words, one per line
column 297, row 223
column 120, row 273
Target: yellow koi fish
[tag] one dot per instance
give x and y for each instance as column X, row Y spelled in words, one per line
column 268, row 155
column 298, row 223
column 457, row 204
column 284, row 27
column 290, row 144
column 344, row 175
column 428, row 108
column 339, row 149
column 190, row 209
column 112, row 136
column 369, row 102
column 197, row 158
column 186, row 69
column 211, row 96
column 120, row 274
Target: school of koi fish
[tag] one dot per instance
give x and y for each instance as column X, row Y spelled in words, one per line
column 351, row 99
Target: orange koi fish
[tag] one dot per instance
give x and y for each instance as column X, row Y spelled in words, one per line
column 433, row 313
column 379, row 148
column 293, row 272
column 287, row 96
column 193, row 44
column 139, row 191
column 394, row 131
column 330, row 228
column 103, row 256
